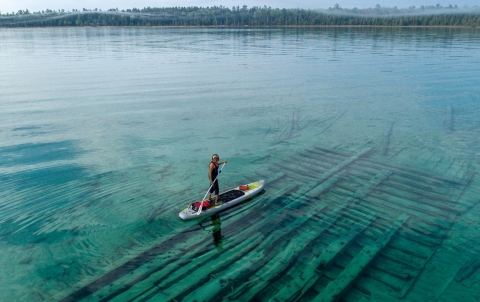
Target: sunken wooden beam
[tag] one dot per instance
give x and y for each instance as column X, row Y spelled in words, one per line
column 465, row 200
column 467, row 270
column 291, row 129
column 157, row 267
column 386, row 139
column 393, row 268
column 330, row 151
column 412, row 178
column 408, row 260
column 444, row 198
column 366, row 206
column 347, row 277
column 143, row 278
column 282, row 261
column 375, row 181
column 314, row 157
column 317, row 266
column 247, row 265
column 337, row 169
column 382, row 277
column 322, row 153
column 342, row 165
column 422, row 204
column 273, row 178
column 333, row 122
column 278, row 264
column 187, row 277
column 412, row 280
column 383, row 206
column 411, row 173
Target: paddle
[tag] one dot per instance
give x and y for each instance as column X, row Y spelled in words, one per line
column 201, row 204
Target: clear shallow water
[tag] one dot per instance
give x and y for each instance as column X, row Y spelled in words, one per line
column 106, row 134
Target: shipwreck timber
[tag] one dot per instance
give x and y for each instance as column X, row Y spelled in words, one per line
column 338, row 225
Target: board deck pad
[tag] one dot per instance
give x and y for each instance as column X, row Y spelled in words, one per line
column 229, row 196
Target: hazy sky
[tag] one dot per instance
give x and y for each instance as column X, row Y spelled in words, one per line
column 35, row 5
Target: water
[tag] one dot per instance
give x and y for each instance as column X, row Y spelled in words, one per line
column 106, row 134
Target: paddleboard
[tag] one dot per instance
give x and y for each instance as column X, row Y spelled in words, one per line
column 225, row 200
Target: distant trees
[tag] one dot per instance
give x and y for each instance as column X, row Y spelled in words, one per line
column 245, row 16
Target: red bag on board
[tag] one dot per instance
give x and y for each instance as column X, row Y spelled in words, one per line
column 205, row 204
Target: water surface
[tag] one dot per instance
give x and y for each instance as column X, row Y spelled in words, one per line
column 106, row 134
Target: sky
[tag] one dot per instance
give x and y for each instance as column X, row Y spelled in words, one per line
column 35, row 5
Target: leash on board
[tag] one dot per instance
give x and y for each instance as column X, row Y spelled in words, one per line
column 201, row 204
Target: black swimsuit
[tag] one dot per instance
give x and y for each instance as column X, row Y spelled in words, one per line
column 214, row 176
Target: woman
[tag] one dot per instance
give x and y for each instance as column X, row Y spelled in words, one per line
column 212, row 175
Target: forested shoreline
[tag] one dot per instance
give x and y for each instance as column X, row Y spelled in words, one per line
column 244, row 16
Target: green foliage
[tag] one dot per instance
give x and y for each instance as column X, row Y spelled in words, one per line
column 244, row 16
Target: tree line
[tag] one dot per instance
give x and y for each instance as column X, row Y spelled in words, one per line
column 244, row 16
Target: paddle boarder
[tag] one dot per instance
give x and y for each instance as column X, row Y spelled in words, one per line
column 212, row 175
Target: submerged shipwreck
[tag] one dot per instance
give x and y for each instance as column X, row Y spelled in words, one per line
column 341, row 224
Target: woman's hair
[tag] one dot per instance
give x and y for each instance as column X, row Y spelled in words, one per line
column 215, row 155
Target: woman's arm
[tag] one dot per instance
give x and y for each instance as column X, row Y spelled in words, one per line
column 210, row 169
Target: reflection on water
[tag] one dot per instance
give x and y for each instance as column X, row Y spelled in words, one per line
column 367, row 138
column 217, row 231
column 215, row 228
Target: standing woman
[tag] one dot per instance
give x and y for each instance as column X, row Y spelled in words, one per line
column 212, row 175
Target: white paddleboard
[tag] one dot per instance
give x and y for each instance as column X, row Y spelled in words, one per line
column 225, row 200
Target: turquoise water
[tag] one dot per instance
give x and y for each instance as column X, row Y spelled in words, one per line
column 106, row 135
